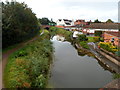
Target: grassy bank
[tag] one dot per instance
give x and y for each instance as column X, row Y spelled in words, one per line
column 60, row 31
column 29, row 66
column 116, row 75
column 84, row 44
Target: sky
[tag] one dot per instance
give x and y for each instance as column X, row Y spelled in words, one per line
column 74, row 9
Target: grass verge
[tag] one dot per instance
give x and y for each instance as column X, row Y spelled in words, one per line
column 29, row 66
column 84, row 44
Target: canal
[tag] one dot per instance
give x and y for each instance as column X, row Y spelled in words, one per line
column 70, row 70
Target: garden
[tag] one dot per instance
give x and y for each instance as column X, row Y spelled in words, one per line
column 108, row 46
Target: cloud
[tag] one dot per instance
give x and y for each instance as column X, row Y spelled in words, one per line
column 75, row 9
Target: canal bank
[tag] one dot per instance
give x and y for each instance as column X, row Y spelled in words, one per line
column 108, row 60
column 70, row 70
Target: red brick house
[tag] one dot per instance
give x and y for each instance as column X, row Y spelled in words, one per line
column 80, row 22
column 110, row 36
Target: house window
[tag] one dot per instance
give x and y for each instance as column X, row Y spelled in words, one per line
column 112, row 40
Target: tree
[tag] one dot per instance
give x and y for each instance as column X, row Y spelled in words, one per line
column 97, row 21
column 82, row 37
column 44, row 21
column 19, row 23
column 109, row 21
column 98, row 33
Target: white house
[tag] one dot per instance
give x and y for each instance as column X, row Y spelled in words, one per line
column 65, row 22
column 90, row 29
column 75, row 34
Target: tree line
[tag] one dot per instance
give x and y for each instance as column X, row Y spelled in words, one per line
column 19, row 23
column 108, row 21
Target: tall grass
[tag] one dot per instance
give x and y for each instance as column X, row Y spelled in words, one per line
column 29, row 67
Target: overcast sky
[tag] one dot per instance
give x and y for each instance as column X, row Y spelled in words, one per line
column 75, row 9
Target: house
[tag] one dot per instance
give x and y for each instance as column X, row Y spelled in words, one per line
column 80, row 23
column 65, row 22
column 70, row 28
column 76, row 33
column 90, row 29
column 112, row 36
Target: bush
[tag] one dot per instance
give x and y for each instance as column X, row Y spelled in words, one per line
column 82, row 37
column 17, row 74
column 102, row 39
column 108, row 46
column 98, row 33
column 40, row 81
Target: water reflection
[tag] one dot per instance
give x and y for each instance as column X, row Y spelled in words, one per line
column 105, row 67
column 73, row 71
column 58, row 38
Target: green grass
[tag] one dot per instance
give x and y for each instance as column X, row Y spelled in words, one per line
column 90, row 39
column 116, row 75
column 84, row 44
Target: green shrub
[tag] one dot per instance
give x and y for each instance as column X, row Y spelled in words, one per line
column 21, row 53
column 40, row 81
column 98, row 33
column 17, row 74
column 84, row 44
column 108, row 46
column 82, row 37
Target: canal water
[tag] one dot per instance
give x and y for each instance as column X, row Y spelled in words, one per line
column 69, row 70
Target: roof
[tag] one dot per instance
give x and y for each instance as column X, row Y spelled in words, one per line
column 67, row 20
column 65, row 26
column 80, row 20
column 103, row 26
column 60, row 26
column 117, row 34
column 69, row 26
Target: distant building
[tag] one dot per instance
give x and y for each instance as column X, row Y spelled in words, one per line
column 80, row 22
column 112, row 36
column 76, row 33
column 90, row 29
column 65, row 22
